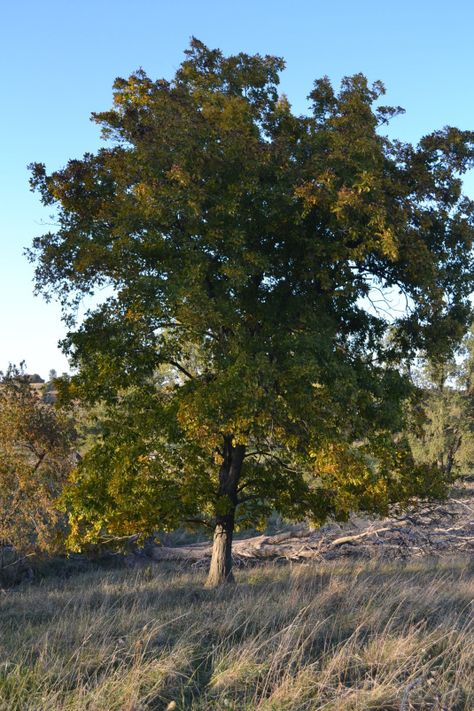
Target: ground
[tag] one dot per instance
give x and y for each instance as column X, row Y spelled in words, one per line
column 336, row 635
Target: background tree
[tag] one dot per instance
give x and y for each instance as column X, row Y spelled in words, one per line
column 441, row 425
column 36, row 457
column 239, row 241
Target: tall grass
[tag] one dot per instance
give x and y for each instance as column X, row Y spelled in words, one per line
column 332, row 636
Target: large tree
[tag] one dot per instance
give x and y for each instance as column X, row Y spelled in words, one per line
column 242, row 352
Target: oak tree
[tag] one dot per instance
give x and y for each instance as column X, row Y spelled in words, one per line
column 242, row 354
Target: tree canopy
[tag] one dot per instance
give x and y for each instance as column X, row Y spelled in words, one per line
column 242, row 355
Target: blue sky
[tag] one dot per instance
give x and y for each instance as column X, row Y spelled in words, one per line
column 58, row 59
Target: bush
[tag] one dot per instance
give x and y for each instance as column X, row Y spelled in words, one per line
column 36, row 457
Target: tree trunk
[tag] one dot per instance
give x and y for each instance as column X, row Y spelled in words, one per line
column 220, row 570
column 453, row 450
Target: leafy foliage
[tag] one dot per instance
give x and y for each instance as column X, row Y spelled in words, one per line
column 442, row 424
column 36, row 456
column 241, row 243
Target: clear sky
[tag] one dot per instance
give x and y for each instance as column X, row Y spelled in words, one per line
column 58, row 59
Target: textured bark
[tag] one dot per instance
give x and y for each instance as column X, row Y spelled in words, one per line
column 220, row 570
column 453, row 450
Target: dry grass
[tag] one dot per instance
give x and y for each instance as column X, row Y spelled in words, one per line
column 339, row 637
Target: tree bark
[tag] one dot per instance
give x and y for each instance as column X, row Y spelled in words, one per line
column 220, row 570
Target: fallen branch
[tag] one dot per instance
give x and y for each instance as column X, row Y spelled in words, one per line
column 350, row 539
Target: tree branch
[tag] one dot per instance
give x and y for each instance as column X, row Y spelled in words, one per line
column 257, row 453
column 181, row 368
column 200, row 522
column 250, row 497
column 39, row 462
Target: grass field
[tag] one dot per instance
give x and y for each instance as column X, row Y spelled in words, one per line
column 334, row 636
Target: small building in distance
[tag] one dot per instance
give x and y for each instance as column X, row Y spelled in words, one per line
column 35, row 378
